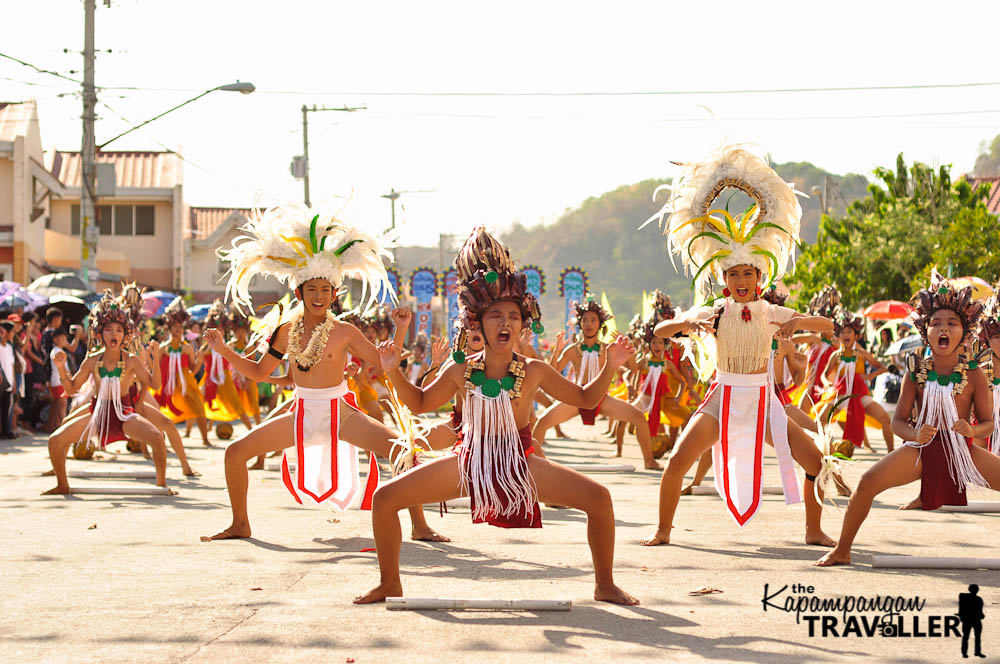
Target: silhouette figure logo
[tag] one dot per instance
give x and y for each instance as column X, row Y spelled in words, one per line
column 970, row 612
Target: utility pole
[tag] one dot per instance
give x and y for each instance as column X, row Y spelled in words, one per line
column 300, row 165
column 88, row 223
column 393, row 196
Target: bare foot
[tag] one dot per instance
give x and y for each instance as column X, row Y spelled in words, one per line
column 379, row 593
column 657, row 539
column 191, row 472
column 429, row 535
column 614, row 595
column 688, row 490
column 914, row 504
column 206, row 443
column 653, row 465
column 833, row 558
column 48, row 473
column 57, row 490
column 819, row 538
column 258, row 465
column 618, row 455
column 232, row 532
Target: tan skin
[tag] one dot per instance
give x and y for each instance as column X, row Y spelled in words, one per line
column 848, row 346
column 812, row 339
column 702, row 430
column 177, row 340
column 443, row 436
column 657, row 350
column 136, row 428
column 277, row 433
column 439, row 480
column 613, row 408
column 902, row 466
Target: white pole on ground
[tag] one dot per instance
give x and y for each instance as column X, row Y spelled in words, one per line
column 109, row 490
column 444, row 604
column 934, row 562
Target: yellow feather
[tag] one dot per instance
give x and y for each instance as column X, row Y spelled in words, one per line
column 708, row 220
column 292, row 240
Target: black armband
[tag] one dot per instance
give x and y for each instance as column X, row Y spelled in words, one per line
column 811, row 478
column 273, row 352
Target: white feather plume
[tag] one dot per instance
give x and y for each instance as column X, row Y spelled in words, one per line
column 278, row 242
column 691, row 196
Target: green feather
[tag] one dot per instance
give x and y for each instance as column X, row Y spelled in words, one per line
column 312, row 234
column 767, row 224
column 700, row 270
column 710, row 234
column 340, row 251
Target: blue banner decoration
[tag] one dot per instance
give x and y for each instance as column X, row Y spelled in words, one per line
column 573, row 285
column 449, row 286
column 384, row 297
column 535, row 279
column 423, row 287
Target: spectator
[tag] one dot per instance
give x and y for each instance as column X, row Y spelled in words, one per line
column 57, row 408
column 7, row 378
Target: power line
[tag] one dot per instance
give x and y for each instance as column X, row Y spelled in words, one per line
column 597, row 93
column 41, row 70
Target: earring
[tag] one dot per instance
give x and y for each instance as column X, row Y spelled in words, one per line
column 726, row 292
column 758, row 291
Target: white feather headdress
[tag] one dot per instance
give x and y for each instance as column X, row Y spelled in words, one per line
column 710, row 241
column 294, row 244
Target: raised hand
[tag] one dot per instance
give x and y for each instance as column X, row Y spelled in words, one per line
column 560, row 342
column 619, row 351
column 388, row 355
column 401, row 316
column 926, row 434
column 59, row 359
column 439, row 351
column 213, row 339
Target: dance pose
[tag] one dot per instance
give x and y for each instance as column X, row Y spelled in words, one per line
column 223, row 401
column 119, row 378
column 845, row 373
column 740, row 410
column 179, row 397
column 313, row 258
column 587, row 357
column 494, row 464
column 944, row 390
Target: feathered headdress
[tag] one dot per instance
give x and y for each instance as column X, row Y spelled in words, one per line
column 238, row 321
column 774, row 297
column 636, row 329
column 989, row 326
column 132, row 298
column 111, row 309
column 218, row 317
column 486, row 274
column 710, row 240
column 294, row 244
column 942, row 295
column 590, row 303
column 825, row 303
column 662, row 305
column 176, row 312
column 844, row 318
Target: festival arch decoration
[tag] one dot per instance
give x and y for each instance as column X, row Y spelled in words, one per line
column 449, row 287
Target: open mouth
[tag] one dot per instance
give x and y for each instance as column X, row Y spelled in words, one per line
column 503, row 337
column 742, row 292
column 943, row 342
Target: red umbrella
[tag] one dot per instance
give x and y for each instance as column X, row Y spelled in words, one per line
column 888, row 310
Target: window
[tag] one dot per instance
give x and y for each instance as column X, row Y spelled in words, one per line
column 121, row 219
column 104, row 219
column 144, row 222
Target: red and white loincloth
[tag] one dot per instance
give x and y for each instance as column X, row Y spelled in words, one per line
column 746, row 406
column 326, row 467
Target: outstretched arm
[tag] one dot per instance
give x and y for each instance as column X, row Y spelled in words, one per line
column 72, row 384
column 418, row 400
column 256, row 370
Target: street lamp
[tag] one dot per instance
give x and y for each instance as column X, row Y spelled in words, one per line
column 242, row 87
column 88, row 228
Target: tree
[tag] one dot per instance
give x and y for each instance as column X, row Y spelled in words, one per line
column 912, row 218
column 988, row 161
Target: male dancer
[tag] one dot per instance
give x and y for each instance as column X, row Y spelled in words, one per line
column 322, row 426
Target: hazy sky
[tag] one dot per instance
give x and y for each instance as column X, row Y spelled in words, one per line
column 495, row 159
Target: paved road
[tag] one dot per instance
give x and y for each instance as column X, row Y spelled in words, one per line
column 140, row 587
